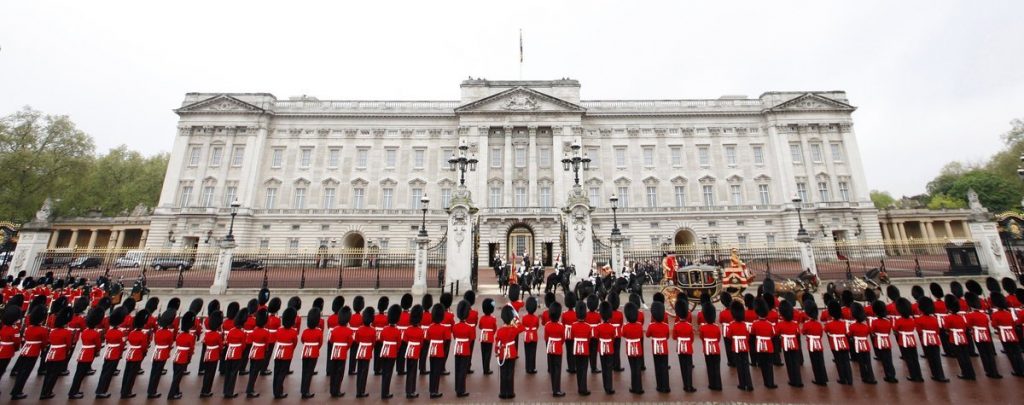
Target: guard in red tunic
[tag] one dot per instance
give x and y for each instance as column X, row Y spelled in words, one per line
column 605, row 335
column 554, row 338
column 463, row 334
column 234, row 352
column 448, row 321
column 364, row 339
column 860, row 333
column 427, row 303
column 59, row 353
column 286, row 338
column 633, row 337
column 136, row 346
column 273, row 325
column 1003, row 321
column 682, row 333
column 617, row 321
column 981, row 335
column 837, row 332
column 881, row 332
column 724, row 319
column 593, row 318
column 403, row 325
column 213, row 340
column 338, row 345
column 90, row 342
column 310, row 340
column 488, row 325
column 10, row 333
column 354, row 323
column 530, row 323
column 473, row 320
column 436, row 337
column 955, row 326
column 737, row 334
column 928, row 327
column 380, row 320
column 763, row 332
column 184, row 346
column 390, row 342
column 906, row 339
column 413, row 340
column 569, row 319
column 710, row 337
column 789, row 337
column 580, row 332
column 505, row 341
column 259, row 342
column 658, row 332
column 163, row 340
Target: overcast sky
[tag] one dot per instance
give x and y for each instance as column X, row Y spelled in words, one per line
column 933, row 81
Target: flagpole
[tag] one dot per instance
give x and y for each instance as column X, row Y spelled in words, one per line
column 520, row 54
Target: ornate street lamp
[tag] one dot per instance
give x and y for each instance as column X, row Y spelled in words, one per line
column 575, row 161
column 615, row 219
column 423, row 225
column 231, row 229
column 462, row 163
column 802, row 233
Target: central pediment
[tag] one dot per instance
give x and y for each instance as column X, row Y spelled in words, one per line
column 519, row 100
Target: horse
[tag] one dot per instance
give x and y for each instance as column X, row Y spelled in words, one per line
column 503, row 278
column 804, row 283
column 560, row 279
column 873, row 279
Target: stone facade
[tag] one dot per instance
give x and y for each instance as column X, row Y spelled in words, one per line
column 311, row 172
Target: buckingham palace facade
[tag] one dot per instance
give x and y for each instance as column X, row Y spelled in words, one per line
column 350, row 174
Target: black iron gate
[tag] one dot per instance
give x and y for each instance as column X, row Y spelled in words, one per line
column 475, row 265
column 562, row 235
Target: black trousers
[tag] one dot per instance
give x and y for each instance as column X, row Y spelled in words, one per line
column 714, row 370
column 128, row 377
column 1013, row 353
column 764, row 362
column 256, row 367
column 306, row 379
column 155, row 372
column 281, row 369
column 376, row 357
column 230, row 376
column 963, row 359
column 243, row 364
column 362, row 369
column 53, row 370
column 594, row 361
column 352, row 355
column 387, row 369
column 461, row 370
column 506, row 380
column 730, row 355
column 661, row 372
column 581, row 372
column 777, row 354
column 436, row 367
column 447, row 352
column 818, row 367
column 987, row 352
column 743, row 370
column 909, row 355
column 636, row 381
column 400, row 363
column 423, row 363
column 616, row 358
column 934, row 359
column 607, row 364
column 411, row 375
column 336, row 374
column 843, row 368
column 686, row 370
column 177, row 373
column 209, row 369
column 23, row 366
column 485, row 356
column 555, row 372
column 792, row 359
column 81, row 371
column 3, row 366
column 570, row 360
column 888, row 369
column 531, row 356
column 867, row 372
column 106, row 375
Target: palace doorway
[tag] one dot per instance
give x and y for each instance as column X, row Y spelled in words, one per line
column 519, row 243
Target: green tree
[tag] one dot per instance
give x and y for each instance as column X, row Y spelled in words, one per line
column 995, row 192
column 942, row 201
column 40, row 155
column 115, row 183
column 882, row 199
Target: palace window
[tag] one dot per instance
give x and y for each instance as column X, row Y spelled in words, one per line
column 816, row 153
column 704, row 156
column 648, row 156
column 801, row 191
column 770, row 238
column 193, row 155
column 419, row 158
column 230, row 194
column 333, row 158
column 362, row 156
column 358, row 198
column 271, row 198
column 736, row 194
column 495, row 197
column 216, row 153
column 446, row 153
column 595, row 157
column 742, row 239
column 185, row 197
column 496, row 157
column 293, row 243
column 709, row 195
column 520, row 197
column 545, row 196
column 237, row 156
column 306, row 158
column 594, row 196
column 844, row 191
column 329, row 198
column 652, row 196
column 730, row 155
column 680, row 195
column 265, row 243
column 520, row 156
column 620, row 156
column 446, row 197
column 762, row 192
column 544, row 157
column 758, row 155
column 823, row 192
column 277, row 158
column 837, row 152
column 623, row 196
column 677, row 155
column 796, row 152
column 208, row 196
column 416, row 195
column 390, row 157
column 300, row 198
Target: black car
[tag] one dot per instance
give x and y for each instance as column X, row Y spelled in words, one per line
column 56, row 262
column 247, row 264
column 86, row 262
column 162, row 263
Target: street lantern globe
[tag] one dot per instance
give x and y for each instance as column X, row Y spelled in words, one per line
column 453, row 163
column 566, row 161
column 235, row 205
column 586, row 162
column 472, row 163
column 425, row 200
column 614, row 200
column 797, row 199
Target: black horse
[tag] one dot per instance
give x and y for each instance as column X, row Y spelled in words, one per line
column 559, row 279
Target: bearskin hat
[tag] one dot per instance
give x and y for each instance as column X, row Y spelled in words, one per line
column 531, row 305
column 358, row 303
column 337, row 303
column 769, row 286
column 195, row 307
column 368, row 314
column 382, row 304
column 725, row 299
column 513, row 292
column 405, row 301
column 786, row 310
column 261, row 318
column 631, row 312
column 657, row 311
column 319, row 303
column 295, row 302
column 870, row 295
column 810, row 308
column 252, row 306
column 93, row 318
column 737, row 310
column 605, row 309
column 952, row 304
column 462, row 310
column 761, row 307
column 18, row 300
column 682, row 307
column 128, row 304
column 175, row 303
column 241, row 317
column 63, row 317
column 345, row 316
column 748, row 301
column 152, row 304
column 274, row 305
column 394, row 314
column 878, row 307
column 993, row 285
column 507, row 315
column 708, row 310
column 437, row 312
column 427, row 302
column 847, row 298
column 263, row 296
column 791, row 297
column 570, row 300
column 998, row 301
column 81, row 304
column 233, row 309
column 974, row 287
column 892, row 292
column 926, row 305
column 215, row 320
column 835, row 310
column 469, row 296
column 555, row 312
column 313, row 318
column 857, row 311
column 1009, row 285
column 592, row 303
column 487, row 307
column 288, row 318
column 581, row 311
column 916, row 292
column 167, row 318
column 904, row 308
column 212, row 307
column 549, row 298
column 658, row 297
column 187, row 321
column 117, row 317
column 447, row 300
column 415, row 315
column 613, row 299
column 141, row 317
column 936, row 290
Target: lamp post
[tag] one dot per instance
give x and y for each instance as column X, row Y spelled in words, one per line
column 231, row 228
column 462, row 163
column 615, row 219
column 801, row 234
column 423, row 224
column 575, row 161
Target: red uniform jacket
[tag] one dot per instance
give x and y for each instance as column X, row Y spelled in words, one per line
column 581, row 333
column 285, row 340
column 464, row 334
column 136, row 345
column 956, row 326
column 530, row 324
column 658, row 332
column 928, row 327
column 617, row 320
column 837, row 332
column 473, row 318
column 881, row 330
column 906, row 332
column 114, row 344
column 390, row 338
column 90, row 342
column 569, row 318
column 633, row 335
column 763, row 332
column 379, row 322
column 235, row 344
column 10, row 340
column 341, row 341
column 710, row 336
column 605, row 334
column 861, row 334
column 554, row 336
column 1002, row 321
column 35, row 338
column 184, row 345
column 259, row 339
column 364, row 339
column 736, row 332
column 437, row 334
column 163, row 339
column 789, row 335
column 60, row 345
column 978, row 323
column 212, row 340
column 413, row 338
column 311, row 340
column 488, row 325
column 505, row 343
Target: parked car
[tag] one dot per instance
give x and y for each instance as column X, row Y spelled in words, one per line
column 162, row 263
column 56, row 262
column 86, row 262
column 247, row 264
column 131, row 259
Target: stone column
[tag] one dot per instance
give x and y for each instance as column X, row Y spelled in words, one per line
column 33, row 238
column 532, row 197
column 618, row 256
column 459, row 251
column 145, row 236
column 931, row 230
column 508, row 168
column 923, row 230
column 120, row 239
column 224, row 258
column 580, row 236
column 112, row 240
column 93, row 233
column 419, row 283
column 74, row 239
column 949, row 229
column 54, row 237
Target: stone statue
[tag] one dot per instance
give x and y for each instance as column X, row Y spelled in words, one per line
column 44, row 213
column 973, row 202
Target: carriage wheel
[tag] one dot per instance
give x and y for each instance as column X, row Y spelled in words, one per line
column 672, row 293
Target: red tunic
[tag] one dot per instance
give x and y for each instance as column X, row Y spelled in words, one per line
column 568, row 319
column 163, row 339
column 259, row 339
column 928, row 327
column 837, row 332
column 341, row 341
column 136, row 345
column 581, row 333
column 212, row 340
column 390, row 339
column 682, row 332
column 10, row 339
column 311, row 340
column 789, row 335
column 617, row 320
column 285, row 340
column 530, row 323
column 90, row 343
column 235, row 344
column 463, row 333
column 978, row 323
column 736, row 332
column 488, row 325
column 413, row 338
column 437, row 334
column 505, row 343
column 364, row 339
column 763, row 332
column 861, row 334
column 473, row 318
column 605, row 334
column 881, row 330
column 60, row 345
column 906, row 332
column 956, row 326
column 1003, row 323
column 633, row 336
column 35, row 339
column 554, row 337
column 379, row 322
column 710, row 336
column 184, row 345
column 517, row 305
column 332, row 321
column 658, row 332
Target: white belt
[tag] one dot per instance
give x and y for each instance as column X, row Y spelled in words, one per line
column 1006, row 334
column 84, row 347
column 762, row 343
column 907, row 339
column 788, row 342
column 860, row 344
column 605, row 346
column 837, row 340
column 929, row 336
column 710, row 345
column 981, row 333
column 258, row 344
column 435, row 345
column 882, row 340
column 660, row 345
column 632, row 347
column 6, row 343
column 385, row 345
column 958, row 336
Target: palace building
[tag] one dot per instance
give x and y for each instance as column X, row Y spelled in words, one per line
column 351, row 174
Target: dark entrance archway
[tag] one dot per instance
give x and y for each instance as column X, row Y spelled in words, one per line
column 520, row 241
column 353, row 249
column 684, row 237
